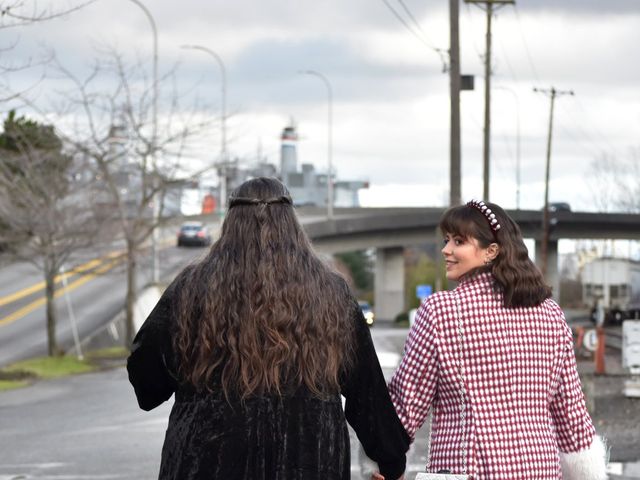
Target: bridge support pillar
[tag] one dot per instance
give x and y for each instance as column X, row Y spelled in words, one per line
column 389, row 282
column 553, row 279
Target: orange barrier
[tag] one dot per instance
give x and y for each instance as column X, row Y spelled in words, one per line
column 580, row 338
column 208, row 204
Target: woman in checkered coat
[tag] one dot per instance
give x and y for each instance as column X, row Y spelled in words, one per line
column 493, row 361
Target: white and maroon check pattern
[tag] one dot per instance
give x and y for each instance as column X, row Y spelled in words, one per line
column 523, row 403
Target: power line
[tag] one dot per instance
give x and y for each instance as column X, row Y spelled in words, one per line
column 526, row 47
column 419, row 33
column 592, row 149
column 506, row 58
column 407, row 26
column 588, row 135
column 413, row 19
column 579, row 124
column 473, row 34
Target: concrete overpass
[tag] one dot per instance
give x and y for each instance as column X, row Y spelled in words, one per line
column 389, row 230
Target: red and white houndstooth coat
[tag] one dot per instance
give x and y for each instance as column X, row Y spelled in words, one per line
column 523, row 403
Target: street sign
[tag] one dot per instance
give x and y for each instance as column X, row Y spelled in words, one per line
column 590, row 340
column 423, row 291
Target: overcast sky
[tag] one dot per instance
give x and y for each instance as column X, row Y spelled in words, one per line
column 391, row 113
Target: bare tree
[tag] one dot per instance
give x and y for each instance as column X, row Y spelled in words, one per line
column 629, row 194
column 616, row 183
column 615, row 186
column 113, row 128
column 22, row 13
column 44, row 213
column 18, row 13
column 603, row 183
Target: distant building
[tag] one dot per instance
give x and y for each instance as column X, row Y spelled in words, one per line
column 308, row 187
column 237, row 175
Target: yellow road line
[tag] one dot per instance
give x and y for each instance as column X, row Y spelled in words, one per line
column 41, row 301
column 41, row 285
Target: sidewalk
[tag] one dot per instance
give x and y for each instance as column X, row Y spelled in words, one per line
column 616, row 417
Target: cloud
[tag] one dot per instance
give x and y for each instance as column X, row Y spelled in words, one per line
column 579, row 7
column 391, row 106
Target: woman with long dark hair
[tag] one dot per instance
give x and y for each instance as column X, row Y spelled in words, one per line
column 258, row 341
column 494, row 361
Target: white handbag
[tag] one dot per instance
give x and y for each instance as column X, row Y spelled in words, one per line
column 442, row 476
column 454, row 476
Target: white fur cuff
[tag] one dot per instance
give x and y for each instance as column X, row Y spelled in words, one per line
column 588, row 464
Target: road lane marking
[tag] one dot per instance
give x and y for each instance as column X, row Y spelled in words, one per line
column 41, row 301
column 25, row 292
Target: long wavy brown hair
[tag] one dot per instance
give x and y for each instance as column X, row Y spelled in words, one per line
column 516, row 276
column 261, row 312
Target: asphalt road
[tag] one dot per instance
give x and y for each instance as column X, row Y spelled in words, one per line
column 96, row 295
column 89, row 427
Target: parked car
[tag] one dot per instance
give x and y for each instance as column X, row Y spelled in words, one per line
column 369, row 316
column 193, row 233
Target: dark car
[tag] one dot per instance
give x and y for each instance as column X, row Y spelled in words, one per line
column 559, row 207
column 193, row 233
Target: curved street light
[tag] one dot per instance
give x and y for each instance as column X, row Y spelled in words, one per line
column 223, row 124
column 330, row 140
column 155, row 261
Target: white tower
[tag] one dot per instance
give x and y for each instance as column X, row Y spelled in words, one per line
column 288, row 155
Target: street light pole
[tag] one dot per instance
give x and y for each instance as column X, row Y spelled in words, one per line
column 155, row 261
column 329, row 141
column 223, row 125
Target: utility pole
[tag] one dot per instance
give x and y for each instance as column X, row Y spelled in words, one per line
column 455, row 194
column 553, row 93
column 489, row 8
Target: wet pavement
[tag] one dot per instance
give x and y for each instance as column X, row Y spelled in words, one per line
column 615, row 416
column 89, row 426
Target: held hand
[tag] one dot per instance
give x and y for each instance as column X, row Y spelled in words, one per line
column 377, row 476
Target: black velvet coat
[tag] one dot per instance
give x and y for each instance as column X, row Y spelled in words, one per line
column 295, row 436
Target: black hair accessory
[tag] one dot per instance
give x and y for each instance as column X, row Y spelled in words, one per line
column 235, row 201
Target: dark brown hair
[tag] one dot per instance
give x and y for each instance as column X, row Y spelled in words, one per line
column 261, row 311
column 515, row 275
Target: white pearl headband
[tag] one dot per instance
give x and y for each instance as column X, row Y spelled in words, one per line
column 486, row 211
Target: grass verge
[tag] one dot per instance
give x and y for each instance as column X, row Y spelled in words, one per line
column 108, row 353
column 12, row 384
column 49, row 367
column 23, row 373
